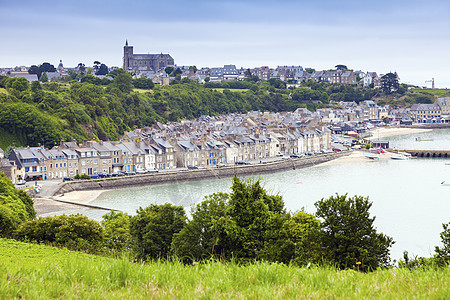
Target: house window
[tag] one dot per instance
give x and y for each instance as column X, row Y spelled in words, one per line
column 34, row 169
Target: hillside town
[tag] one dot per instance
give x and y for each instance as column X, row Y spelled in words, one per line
column 212, row 141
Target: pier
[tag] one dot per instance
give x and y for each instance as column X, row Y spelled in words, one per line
column 428, row 153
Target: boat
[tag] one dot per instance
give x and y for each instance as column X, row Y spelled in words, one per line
column 445, row 183
column 399, row 157
column 419, row 139
column 405, row 154
column 372, row 156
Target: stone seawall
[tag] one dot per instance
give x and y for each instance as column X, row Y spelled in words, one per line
column 198, row 174
column 427, row 126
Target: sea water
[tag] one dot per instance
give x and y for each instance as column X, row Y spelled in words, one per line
column 409, row 202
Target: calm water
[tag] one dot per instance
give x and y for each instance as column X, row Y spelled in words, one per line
column 408, row 201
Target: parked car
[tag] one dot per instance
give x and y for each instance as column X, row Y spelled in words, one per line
column 21, row 182
column 192, row 167
column 64, row 179
column 154, row 170
column 336, row 149
column 117, row 174
column 297, row 155
column 279, row 154
column 242, row 162
column 130, row 173
column 104, row 175
column 308, row 154
column 141, row 171
column 95, row 176
column 220, row 165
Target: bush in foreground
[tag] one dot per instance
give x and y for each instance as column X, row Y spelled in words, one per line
column 16, row 207
column 75, row 232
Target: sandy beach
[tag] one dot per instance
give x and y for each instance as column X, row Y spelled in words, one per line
column 384, row 132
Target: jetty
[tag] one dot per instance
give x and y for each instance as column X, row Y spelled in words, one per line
column 428, row 153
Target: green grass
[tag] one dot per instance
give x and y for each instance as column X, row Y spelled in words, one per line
column 40, row 272
column 141, row 91
column 232, row 90
column 7, row 139
column 3, row 90
column 435, row 92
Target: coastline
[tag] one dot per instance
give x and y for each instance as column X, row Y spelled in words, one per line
column 86, row 192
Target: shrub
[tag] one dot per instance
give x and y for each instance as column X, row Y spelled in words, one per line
column 75, row 232
column 16, row 207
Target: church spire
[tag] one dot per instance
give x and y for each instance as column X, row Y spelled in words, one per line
column 126, row 42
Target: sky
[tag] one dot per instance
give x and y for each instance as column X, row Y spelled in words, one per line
column 411, row 37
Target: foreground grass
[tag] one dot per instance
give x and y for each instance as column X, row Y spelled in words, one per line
column 40, row 272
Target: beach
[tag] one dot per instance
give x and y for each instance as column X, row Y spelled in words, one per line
column 384, row 132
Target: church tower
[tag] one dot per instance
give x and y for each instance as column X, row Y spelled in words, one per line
column 127, row 54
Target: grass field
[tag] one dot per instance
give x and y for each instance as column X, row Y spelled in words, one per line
column 40, row 272
column 232, row 90
column 435, row 92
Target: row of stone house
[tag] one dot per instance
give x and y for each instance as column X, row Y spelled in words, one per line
column 438, row 112
column 69, row 159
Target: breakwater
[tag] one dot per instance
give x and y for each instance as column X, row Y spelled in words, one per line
column 171, row 177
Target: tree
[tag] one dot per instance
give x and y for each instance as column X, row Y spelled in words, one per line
column 16, row 207
column 193, row 68
column 81, row 68
column 349, row 235
column 44, row 77
column 341, row 67
column 143, row 83
column 123, row 81
column 250, row 211
column 389, row 83
column 116, row 227
column 169, row 70
column 153, row 228
column 202, row 238
column 443, row 253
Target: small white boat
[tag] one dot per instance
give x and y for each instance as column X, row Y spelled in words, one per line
column 399, row 157
column 404, row 153
column 445, row 183
column 372, row 156
column 419, row 139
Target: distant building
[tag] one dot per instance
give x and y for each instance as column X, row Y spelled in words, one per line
column 145, row 62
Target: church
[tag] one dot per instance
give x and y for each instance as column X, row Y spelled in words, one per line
column 141, row 63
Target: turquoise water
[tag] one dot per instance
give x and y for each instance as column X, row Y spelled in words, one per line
column 408, row 201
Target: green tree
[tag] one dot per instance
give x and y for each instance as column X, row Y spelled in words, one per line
column 153, row 228
column 389, row 83
column 44, row 77
column 169, row 70
column 349, row 234
column 200, row 238
column 341, row 67
column 123, row 81
column 443, row 253
column 116, row 227
column 250, row 210
column 16, row 207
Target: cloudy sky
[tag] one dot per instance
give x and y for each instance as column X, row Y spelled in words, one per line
column 409, row 37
